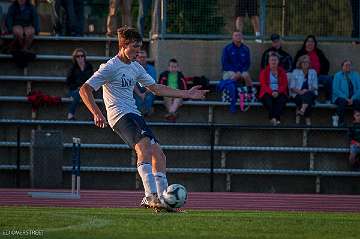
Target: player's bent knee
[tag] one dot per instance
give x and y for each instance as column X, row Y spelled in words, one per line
column 143, row 150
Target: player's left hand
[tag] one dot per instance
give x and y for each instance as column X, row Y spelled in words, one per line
column 196, row 93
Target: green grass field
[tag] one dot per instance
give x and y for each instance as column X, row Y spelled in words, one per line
column 142, row 223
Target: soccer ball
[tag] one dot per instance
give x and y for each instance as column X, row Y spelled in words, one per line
column 175, row 195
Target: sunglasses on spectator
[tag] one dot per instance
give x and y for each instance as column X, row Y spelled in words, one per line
column 79, row 56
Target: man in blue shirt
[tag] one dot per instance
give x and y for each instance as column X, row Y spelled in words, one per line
column 144, row 98
column 236, row 60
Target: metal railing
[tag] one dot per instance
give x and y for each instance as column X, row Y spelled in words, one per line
column 212, row 147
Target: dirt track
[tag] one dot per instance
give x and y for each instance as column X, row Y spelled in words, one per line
column 196, row 200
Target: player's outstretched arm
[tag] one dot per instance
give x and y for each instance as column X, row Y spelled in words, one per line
column 86, row 93
column 163, row 90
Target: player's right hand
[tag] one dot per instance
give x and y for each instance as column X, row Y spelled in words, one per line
column 100, row 121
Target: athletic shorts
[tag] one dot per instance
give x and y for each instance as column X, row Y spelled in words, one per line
column 244, row 7
column 132, row 128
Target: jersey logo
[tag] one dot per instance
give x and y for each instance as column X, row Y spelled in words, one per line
column 125, row 82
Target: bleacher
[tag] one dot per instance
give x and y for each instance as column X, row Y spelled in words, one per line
column 246, row 153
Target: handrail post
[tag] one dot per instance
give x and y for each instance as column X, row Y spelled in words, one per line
column 263, row 18
column 18, row 156
column 212, row 144
column 163, row 18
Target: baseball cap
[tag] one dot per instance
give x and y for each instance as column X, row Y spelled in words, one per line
column 275, row 37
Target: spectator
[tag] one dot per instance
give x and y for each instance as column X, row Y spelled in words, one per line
column 303, row 87
column 172, row 78
column 318, row 62
column 250, row 8
column 273, row 89
column 144, row 98
column 346, row 90
column 354, row 135
column 144, row 7
column 355, row 7
column 57, row 17
column 125, row 9
column 236, row 61
column 74, row 10
column 285, row 58
column 80, row 71
column 23, row 21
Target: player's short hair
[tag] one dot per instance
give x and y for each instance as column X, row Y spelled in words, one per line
column 127, row 35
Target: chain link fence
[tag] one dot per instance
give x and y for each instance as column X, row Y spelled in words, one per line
column 292, row 19
column 328, row 19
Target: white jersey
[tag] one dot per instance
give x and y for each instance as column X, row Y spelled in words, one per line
column 118, row 80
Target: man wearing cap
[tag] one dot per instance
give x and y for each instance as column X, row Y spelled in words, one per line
column 284, row 57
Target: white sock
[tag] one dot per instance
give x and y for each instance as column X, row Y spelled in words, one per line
column 145, row 172
column 257, row 34
column 161, row 182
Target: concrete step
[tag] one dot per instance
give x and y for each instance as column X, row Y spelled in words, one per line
column 46, row 65
column 95, row 135
column 20, row 88
column 201, row 182
column 191, row 111
column 195, row 135
column 56, row 86
column 94, row 46
column 95, row 157
column 199, row 138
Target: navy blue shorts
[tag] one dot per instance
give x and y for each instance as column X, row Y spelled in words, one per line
column 244, row 7
column 132, row 128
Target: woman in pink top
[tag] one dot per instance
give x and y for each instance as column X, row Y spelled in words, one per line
column 319, row 62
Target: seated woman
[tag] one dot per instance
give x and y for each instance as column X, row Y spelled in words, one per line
column 303, row 87
column 273, row 89
column 80, row 71
column 23, row 21
column 346, row 90
column 318, row 61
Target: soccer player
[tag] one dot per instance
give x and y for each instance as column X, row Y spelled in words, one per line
column 118, row 78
